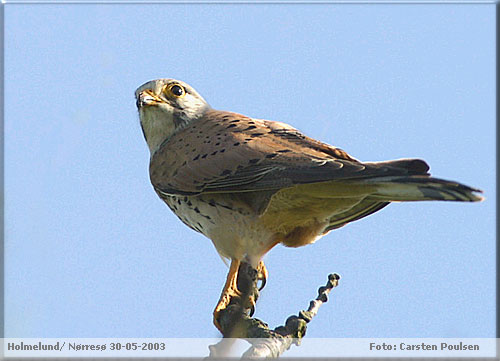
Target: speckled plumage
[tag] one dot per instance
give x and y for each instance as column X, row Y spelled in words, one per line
column 245, row 183
column 248, row 184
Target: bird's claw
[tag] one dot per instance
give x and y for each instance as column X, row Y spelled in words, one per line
column 262, row 275
column 252, row 310
column 241, row 289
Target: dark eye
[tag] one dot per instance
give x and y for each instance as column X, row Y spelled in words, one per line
column 177, row 90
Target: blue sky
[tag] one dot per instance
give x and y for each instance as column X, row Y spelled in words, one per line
column 90, row 251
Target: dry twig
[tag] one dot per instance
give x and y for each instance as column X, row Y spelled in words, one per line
column 236, row 320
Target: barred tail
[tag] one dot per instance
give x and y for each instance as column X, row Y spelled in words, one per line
column 421, row 188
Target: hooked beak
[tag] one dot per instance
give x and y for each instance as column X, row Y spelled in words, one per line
column 145, row 98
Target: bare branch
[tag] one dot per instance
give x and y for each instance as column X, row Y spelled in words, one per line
column 236, row 320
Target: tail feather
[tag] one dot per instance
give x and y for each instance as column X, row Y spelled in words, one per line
column 361, row 210
column 421, row 188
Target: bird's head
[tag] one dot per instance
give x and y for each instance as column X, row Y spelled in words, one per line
column 166, row 106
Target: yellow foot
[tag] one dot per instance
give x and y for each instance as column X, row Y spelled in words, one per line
column 229, row 291
column 247, row 297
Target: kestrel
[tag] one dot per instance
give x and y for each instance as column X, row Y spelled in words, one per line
column 248, row 184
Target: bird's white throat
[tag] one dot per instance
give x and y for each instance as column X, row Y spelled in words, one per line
column 158, row 125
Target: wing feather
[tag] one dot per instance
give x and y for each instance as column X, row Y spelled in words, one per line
column 228, row 152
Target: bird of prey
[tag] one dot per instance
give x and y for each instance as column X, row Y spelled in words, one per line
column 248, row 184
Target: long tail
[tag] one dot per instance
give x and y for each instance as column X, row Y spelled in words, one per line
column 421, row 188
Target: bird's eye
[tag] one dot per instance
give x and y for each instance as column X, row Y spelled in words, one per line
column 176, row 90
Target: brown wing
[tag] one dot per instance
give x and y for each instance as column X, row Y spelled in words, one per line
column 228, row 152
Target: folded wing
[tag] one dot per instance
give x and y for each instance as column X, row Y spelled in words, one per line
column 228, row 152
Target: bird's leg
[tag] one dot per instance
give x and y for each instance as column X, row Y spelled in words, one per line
column 241, row 287
column 247, row 286
column 229, row 291
column 240, row 290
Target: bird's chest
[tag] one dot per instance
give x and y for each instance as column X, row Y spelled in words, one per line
column 233, row 226
column 193, row 212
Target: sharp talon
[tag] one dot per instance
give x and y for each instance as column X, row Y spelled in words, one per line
column 250, row 306
column 262, row 275
column 262, row 283
column 252, row 310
